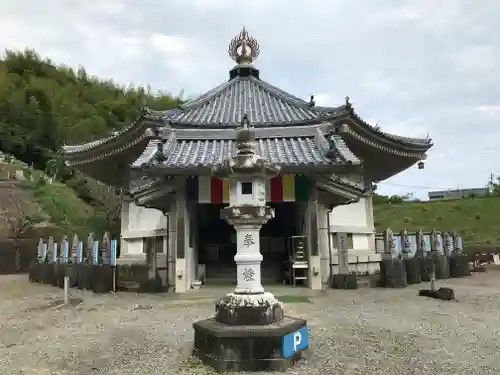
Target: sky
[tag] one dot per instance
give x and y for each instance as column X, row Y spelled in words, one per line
column 414, row 67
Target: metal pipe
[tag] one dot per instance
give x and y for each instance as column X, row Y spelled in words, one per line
column 66, row 290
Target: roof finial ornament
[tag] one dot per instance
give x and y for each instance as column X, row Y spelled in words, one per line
column 243, row 48
column 245, row 138
column 312, row 103
column 244, row 122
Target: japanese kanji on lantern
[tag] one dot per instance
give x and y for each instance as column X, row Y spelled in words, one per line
column 247, row 174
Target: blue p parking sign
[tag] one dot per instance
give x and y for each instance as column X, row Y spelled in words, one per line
column 295, row 342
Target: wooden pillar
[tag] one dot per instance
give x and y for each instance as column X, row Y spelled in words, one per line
column 312, row 212
column 181, row 236
column 324, row 245
column 124, row 220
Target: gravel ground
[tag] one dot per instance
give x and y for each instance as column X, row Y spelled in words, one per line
column 369, row 331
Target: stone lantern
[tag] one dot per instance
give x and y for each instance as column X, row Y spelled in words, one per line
column 249, row 331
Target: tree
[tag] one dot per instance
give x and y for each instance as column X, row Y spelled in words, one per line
column 43, row 106
column 109, row 200
column 51, row 169
column 17, row 222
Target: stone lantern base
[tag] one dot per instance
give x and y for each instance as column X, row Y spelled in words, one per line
column 248, row 333
column 248, row 309
column 232, row 348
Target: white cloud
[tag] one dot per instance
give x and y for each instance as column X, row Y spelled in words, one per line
column 171, row 46
column 413, row 67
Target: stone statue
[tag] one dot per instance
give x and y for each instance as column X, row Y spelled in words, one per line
column 74, row 246
column 420, row 244
column 447, row 244
column 389, row 243
column 40, row 253
column 434, row 241
column 405, row 242
column 90, row 244
column 51, row 249
column 106, row 246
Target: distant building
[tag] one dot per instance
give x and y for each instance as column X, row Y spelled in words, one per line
column 459, row 193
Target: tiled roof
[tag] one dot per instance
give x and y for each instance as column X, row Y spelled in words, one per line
column 264, row 104
column 223, row 107
column 301, row 147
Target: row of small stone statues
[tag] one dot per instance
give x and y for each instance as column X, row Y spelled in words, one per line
column 405, row 244
column 92, row 251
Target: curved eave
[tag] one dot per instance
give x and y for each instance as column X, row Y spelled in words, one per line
column 380, row 162
column 113, row 167
column 188, row 171
column 147, row 122
column 350, row 135
column 374, row 136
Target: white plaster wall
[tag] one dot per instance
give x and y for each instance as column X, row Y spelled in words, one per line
column 356, row 218
column 139, row 222
column 360, row 241
column 145, row 219
column 350, row 215
column 135, row 246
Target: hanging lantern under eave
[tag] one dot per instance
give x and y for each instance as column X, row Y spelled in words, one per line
column 421, row 165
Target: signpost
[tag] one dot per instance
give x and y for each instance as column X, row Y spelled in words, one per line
column 295, row 342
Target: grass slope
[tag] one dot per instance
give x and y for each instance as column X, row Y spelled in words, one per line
column 476, row 219
column 64, row 211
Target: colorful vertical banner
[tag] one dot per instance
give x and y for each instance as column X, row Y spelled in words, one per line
column 112, row 260
column 440, row 241
column 95, row 253
column 288, row 189
column 450, row 245
column 79, row 252
column 427, row 240
column 283, row 188
column 398, row 245
column 413, row 243
column 54, row 252
column 212, row 190
column 65, row 250
column 44, row 253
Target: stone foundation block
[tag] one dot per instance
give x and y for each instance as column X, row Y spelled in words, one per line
column 393, row 273
column 84, row 275
column 348, row 281
column 48, row 275
column 442, row 266
column 426, row 268
column 35, row 273
column 102, row 278
column 412, row 271
column 247, row 348
column 459, row 266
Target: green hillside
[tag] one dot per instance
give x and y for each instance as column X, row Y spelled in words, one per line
column 476, row 219
column 43, row 106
